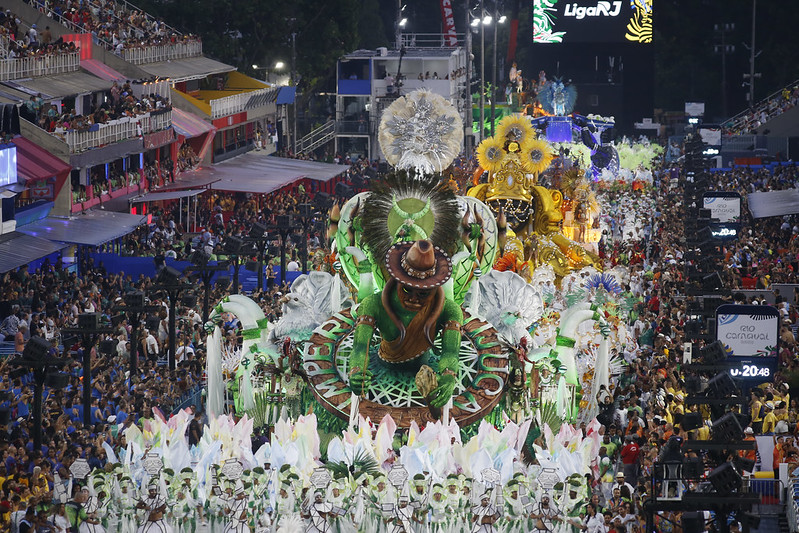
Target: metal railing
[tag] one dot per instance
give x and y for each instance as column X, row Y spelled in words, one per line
column 771, row 491
column 316, row 138
column 236, row 103
column 34, row 66
column 428, row 40
column 792, row 509
column 767, row 104
column 187, row 399
column 114, row 131
column 157, row 53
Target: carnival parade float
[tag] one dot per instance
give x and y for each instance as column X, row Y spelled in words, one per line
column 435, row 377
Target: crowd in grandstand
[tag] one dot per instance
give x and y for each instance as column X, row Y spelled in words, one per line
column 645, row 408
column 117, row 28
column 752, row 120
column 123, row 104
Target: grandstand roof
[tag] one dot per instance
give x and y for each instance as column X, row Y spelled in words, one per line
column 91, row 228
column 60, row 86
column 17, row 249
column 186, row 69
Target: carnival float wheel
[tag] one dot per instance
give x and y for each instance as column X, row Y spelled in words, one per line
column 482, row 375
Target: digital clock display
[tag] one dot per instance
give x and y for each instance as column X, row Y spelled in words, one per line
column 751, row 371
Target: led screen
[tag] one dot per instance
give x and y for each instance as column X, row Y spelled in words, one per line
column 583, row 21
column 8, row 166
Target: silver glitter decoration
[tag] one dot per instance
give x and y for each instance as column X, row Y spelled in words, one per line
column 421, row 131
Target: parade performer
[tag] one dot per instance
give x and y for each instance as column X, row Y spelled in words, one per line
column 546, row 515
column 186, row 505
column 236, row 510
column 154, row 506
column 126, row 498
column 485, row 515
column 318, row 512
column 403, row 515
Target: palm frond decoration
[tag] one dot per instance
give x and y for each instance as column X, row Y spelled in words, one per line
column 515, row 128
column 261, row 412
column 490, row 153
column 362, row 463
column 548, row 414
column 536, row 156
column 574, row 297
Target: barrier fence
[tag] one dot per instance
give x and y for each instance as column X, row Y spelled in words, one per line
column 236, row 103
column 114, row 131
column 34, row 66
column 157, row 53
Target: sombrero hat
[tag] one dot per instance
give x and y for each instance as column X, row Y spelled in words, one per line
column 418, row 264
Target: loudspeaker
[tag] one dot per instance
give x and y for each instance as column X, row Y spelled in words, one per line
column 727, row 429
column 223, row 281
column 725, row 479
column 692, row 420
column 693, row 468
column 233, row 245
column 693, row 522
column 37, row 349
column 170, row 275
column 89, row 320
column 134, row 299
column 342, row 189
column 5, row 416
column 189, row 300
column 251, row 266
column 722, row 386
column 108, row 347
column 713, row 353
column 258, row 230
column 712, row 282
column 321, row 200
column 693, row 328
column 200, row 257
column 56, row 380
column 742, row 464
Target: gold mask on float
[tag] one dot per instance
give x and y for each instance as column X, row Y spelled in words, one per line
column 509, row 189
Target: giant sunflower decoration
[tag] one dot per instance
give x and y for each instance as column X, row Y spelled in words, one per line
column 490, row 153
column 536, row 156
column 515, row 128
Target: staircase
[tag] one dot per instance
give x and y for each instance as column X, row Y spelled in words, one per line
column 316, row 138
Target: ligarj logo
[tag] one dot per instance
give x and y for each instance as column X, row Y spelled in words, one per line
column 727, row 319
column 602, row 9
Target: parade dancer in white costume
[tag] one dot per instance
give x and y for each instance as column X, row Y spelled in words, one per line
column 126, row 498
column 318, row 511
column 93, row 507
column 403, row 515
column 154, row 507
column 546, row 515
column 485, row 515
column 438, row 509
column 238, row 521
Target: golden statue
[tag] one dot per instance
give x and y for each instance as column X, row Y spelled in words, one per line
column 529, row 214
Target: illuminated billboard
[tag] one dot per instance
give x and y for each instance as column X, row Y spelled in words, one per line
column 584, row 21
